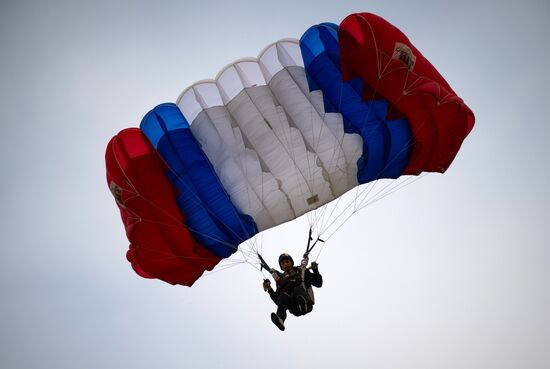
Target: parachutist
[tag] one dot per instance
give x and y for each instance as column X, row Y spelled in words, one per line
column 294, row 289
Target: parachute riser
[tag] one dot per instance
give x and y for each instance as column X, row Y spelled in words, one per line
column 264, row 265
column 309, row 246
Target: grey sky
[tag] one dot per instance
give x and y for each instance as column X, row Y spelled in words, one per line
column 452, row 272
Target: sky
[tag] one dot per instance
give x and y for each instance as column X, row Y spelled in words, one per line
column 451, row 272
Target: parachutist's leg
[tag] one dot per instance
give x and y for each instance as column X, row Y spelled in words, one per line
column 298, row 301
column 283, row 303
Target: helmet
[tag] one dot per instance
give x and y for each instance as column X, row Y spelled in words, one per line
column 287, row 257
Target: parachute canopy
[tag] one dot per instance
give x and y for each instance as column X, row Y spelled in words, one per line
column 277, row 136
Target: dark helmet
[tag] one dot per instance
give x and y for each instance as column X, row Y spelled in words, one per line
column 287, row 257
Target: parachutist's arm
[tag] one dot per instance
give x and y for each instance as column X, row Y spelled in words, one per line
column 275, row 274
column 268, row 289
column 314, row 278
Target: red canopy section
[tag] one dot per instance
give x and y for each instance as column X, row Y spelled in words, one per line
column 160, row 245
column 391, row 67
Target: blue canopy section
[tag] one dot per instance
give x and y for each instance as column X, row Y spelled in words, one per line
column 386, row 143
column 210, row 216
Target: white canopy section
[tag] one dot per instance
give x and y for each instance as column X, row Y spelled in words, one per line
column 277, row 56
column 276, row 152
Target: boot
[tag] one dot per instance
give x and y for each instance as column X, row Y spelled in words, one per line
column 278, row 321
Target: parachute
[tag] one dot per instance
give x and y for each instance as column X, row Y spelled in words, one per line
column 278, row 136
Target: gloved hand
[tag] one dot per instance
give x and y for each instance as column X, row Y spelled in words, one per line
column 314, row 266
column 266, row 285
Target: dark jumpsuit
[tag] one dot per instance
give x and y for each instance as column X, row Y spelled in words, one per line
column 287, row 291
